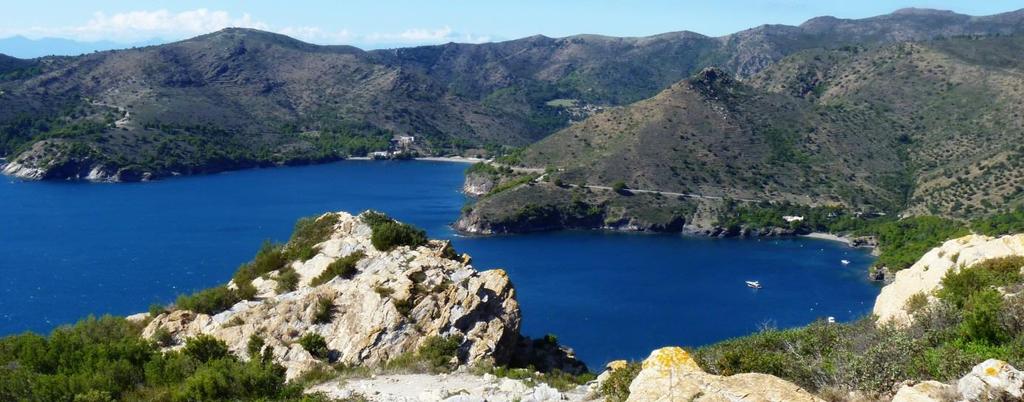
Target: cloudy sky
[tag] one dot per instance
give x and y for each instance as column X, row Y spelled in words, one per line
column 383, row 23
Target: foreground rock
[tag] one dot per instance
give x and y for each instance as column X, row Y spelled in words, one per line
column 459, row 387
column 925, row 276
column 925, row 391
column 671, row 375
column 993, row 380
column 395, row 301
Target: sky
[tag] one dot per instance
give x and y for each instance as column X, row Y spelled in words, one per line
column 390, row 23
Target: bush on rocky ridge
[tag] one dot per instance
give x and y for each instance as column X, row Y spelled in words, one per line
column 307, row 234
column 315, row 344
column 209, row 301
column 107, row 359
column 345, row 267
column 388, row 233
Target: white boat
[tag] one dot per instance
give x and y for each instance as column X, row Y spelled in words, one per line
column 754, row 284
column 845, row 262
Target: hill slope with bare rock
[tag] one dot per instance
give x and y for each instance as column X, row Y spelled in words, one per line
column 240, row 98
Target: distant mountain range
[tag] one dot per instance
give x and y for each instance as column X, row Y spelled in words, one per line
column 25, row 48
column 827, row 124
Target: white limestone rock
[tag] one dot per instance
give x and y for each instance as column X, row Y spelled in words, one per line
column 990, row 380
column 446, row 297
column 925, row 276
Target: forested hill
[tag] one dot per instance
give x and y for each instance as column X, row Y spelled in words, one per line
column 241, row 97
column 911, row 128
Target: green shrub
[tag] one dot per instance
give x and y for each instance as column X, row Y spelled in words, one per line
column 324, row 311
column 345, row 267
column 107, row 359
column 229, row 379
column 885, row 363
column 287, row 280
column 616, row 387
column 315, row 344
column 210, row 301
column 156, row 309
column 619, row 186
column 269, row 258
column 511, row 183
column 916, row 303
column 439, row 352
column 383, row 291
column 389, row 235
column 903, row 242
column 307, row 234
column 982, row 317
column 162, row 337
column 1000, row 224
column 254, row 348
column 958, row 286
column 205, row 348
column 482, row 168
column 374, row 218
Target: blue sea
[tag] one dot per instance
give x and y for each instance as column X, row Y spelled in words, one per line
column 68, row 250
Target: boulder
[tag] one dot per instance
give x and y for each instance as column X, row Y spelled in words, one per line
column 992, row 380
column 671, row 375
column 927, row 391
column 925, row 276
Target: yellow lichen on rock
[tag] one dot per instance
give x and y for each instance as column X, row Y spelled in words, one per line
column 616, row 365
column 670, row 358
column 670, row 374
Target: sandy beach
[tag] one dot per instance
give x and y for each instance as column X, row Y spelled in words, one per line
column 459, row 159
column 828, row 236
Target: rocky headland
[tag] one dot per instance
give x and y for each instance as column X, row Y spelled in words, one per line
column 391, row 304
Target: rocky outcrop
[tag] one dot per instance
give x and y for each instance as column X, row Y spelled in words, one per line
column 671, row 375
column 395, row 301
column 478, row 184
column 925, row 276
column 993, row 380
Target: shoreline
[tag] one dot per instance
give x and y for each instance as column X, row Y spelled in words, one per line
column 454, row 159
column 829, row 237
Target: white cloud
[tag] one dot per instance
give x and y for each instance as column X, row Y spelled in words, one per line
column 416, row 36
column 136, row 26
column 142, row 25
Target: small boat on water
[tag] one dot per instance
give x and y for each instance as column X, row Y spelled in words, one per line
column 754, row 284
column 845, row 262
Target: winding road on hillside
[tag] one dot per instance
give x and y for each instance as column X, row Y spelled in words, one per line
column 543, row 176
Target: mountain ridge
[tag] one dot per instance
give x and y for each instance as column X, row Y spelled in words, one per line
column 241, row 97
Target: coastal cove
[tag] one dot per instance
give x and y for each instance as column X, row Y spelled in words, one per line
column 72, row 249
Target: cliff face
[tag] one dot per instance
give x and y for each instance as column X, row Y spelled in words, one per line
column 925, row 276
column 478, row 184
column 389, row 307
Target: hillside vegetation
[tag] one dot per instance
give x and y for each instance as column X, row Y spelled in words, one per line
column 239, row 98
column 912, row 128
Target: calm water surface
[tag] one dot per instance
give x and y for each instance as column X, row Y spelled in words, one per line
column 72, row 249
